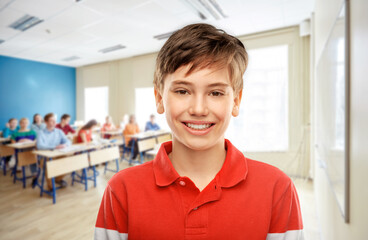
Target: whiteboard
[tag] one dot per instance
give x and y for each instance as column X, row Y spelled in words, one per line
column 332, row 110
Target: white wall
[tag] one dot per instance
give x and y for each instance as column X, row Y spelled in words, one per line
column 122, row 77
column 332, row 223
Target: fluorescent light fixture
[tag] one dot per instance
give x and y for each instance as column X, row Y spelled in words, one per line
column 71, row 58
column 25, row 22
column 206, row 9
column 112, row 48
column 163, row 36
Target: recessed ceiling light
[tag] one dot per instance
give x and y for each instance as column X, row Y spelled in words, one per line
column 68, row 59
column 112, row 48
column 25, row 22
column 163, row 36
column 206, row 9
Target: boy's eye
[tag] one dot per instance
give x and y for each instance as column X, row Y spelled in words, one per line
column 182, row 92
column 216, row 94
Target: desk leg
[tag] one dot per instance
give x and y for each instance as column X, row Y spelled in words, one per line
column 24, row 176
column 15, row 166
column 53, row 191
column 43, row 175
column 85, row 179
column 94, row 176
column 131, row 151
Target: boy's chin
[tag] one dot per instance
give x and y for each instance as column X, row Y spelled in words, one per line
column 199, row 144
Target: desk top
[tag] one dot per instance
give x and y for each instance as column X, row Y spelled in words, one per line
column 22, row 145
column 113, row 132
column 4, row 139
column 148, row 134
column 79, row 147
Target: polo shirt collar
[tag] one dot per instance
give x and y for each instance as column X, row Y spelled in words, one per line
column 233, row 171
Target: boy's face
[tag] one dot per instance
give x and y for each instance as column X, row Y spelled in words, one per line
column 51, row 122
column 23, row 124
column 199, row 106
column 13, row 123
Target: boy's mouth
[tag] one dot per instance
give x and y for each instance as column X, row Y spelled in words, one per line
column 196, row 126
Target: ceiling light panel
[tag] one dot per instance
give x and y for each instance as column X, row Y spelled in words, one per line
column 112, row 48
column 25, row 22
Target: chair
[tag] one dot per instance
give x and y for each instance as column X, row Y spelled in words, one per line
column 63, row 166
column 145, row 145
column 103, row 156
column 24, row 159
column 163, row 138
column 5, row 152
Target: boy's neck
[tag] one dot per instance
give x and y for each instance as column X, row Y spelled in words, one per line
column 200, row 166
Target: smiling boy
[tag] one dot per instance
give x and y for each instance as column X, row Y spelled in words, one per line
column 200, row 186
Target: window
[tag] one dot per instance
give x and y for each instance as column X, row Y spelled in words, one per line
column 145, row 105
column 96, row 101
column 262, row 124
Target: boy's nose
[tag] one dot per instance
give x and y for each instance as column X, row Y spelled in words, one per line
column 198, row 106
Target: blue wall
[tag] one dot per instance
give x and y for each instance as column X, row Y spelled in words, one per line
column 29, row 87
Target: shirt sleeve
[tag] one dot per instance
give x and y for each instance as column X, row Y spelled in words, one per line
column 112, row 220
column 6, row 132
column 286, row 221
column 64, row 139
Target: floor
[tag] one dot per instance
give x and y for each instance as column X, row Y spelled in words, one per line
column 24, row 215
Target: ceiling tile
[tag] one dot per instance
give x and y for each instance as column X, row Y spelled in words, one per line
column 43, row 9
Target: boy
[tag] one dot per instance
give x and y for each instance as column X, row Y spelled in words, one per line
column 64, row 125
column 11, row 127
column 200, row 186
column 52, row 138
column 151, row 125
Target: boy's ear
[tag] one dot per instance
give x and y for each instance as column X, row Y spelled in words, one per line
column 237, row 101
column 159, row 103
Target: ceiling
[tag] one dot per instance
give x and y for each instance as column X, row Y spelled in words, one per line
column 80, row 29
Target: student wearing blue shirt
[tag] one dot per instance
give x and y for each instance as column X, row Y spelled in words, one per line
column 52, row 138
column 152, row 125
column 37, row 124
column 11, row 127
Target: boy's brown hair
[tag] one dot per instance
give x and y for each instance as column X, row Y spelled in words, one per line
column 48, row 116
column 202, row 45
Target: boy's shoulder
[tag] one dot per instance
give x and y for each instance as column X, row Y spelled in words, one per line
column 264, row 173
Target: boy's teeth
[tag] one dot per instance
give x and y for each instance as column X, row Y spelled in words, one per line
column 198, row 126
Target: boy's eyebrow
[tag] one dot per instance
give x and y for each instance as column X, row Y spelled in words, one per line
column 217, row 84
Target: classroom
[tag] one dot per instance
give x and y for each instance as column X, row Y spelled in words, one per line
column 183, row 119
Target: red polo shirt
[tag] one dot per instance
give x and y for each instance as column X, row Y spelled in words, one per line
column 246, row 200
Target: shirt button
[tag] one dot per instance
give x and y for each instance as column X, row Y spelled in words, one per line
column 182, row 183
column 196, row 208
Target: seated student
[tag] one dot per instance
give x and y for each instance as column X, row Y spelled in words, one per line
column 11, row 127
column 37, row 124
column 85, row 133
column 24, row 134
column 130, row 129
column 152, row 125
column 52, row 138
column 200, row 185
column 64, row 124
column 108, row 126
